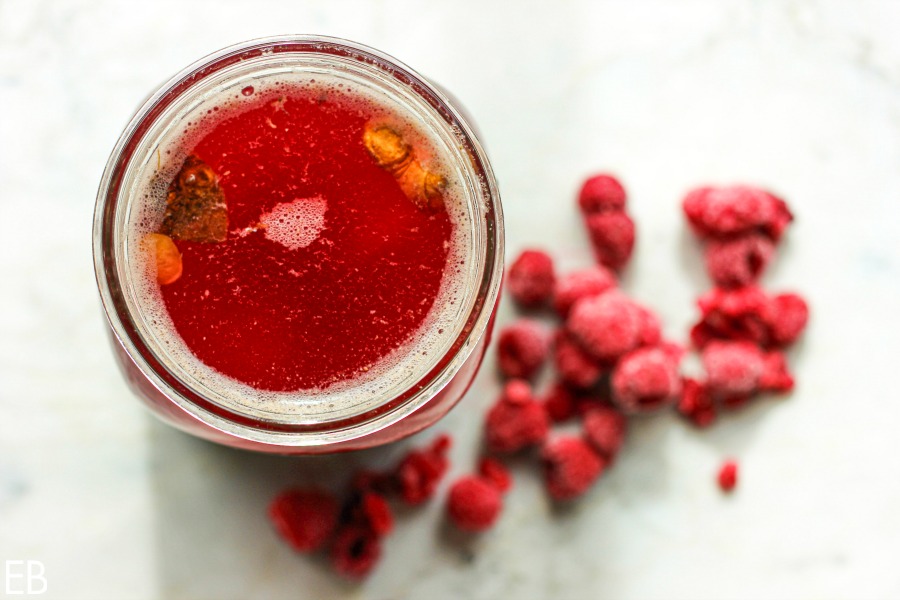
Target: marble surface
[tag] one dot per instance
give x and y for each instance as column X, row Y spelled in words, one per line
column 802, row 96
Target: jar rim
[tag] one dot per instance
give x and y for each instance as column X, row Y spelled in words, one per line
column 191, row 400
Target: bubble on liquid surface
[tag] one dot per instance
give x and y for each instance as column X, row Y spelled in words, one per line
column 296, row 224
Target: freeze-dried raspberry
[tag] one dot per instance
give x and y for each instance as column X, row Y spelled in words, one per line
column 304, row 518
column 650, row 327
column 733, row 369
column 575, row 366
column 419, row 473
column 494, row 471
column 645, row 380
column 601, row 193
column 605, row 429
column 367, row 480
column 775, row 376
column 606, row 326
column 570, row 467
column 787, row 318
column 355, row 551
column 530, row 278
column 474, row 503
column 696, row 404
column 559, row 402
column 377, row 513
column 522, row 348
column 727, row 476
column 733, row 210
column 612, row 237
column 739, row 314
column 739, row 261
column 515, row 421
column 581, row 284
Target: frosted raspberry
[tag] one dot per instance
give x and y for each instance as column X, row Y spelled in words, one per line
column 522, row 348
column 305, row 519
column 570, row 467
column 727, row 476
column 575, row 366
column 559, row 402
column 645, row 380
column 738, row 261
column 581, row 284
column 515, row 422
column 733, row 210
column 601, row 193
column 474, row 504
column 696, row 404
column 530, row 278
column 650, row 326
column 355, row 551
column 420, row 471
column 493, row 471
column 733, row 369
column 605, row 429
column 606, row 326
column 775, row 376
column 741, row 314
column 787, row 318
column 377, row 513
column 612, row 237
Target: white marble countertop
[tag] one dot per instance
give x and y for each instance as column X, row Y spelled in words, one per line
column 802, row 96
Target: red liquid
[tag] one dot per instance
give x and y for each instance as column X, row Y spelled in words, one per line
column 286, row 319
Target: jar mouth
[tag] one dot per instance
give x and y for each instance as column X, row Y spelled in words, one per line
column 230, row 414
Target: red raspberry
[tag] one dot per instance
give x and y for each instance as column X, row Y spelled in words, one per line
column 738, row 261
column 419, row 473
column 581, row 284
column 601, row 193
column 304, row 518
column 733, row 210
column 494, row 471
column 522, row 348
column 530, row 278
column 607, row 326
column 651, row 328
column 733, row 369
column 645, row 380
column 727, row 476
column 612, row 237
column 570, row 467
column 574, row 365
column 787, row 319
column 605, row 429
column 696, row 405
column 559, row 402
column 355, row 551
column 516, row 421
column 474, row 503
column 377, row 513
column 740, row 314
column 775, row 376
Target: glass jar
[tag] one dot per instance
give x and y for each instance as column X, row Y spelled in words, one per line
column 182, row 400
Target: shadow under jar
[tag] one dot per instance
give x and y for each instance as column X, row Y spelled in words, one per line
column 346, row 295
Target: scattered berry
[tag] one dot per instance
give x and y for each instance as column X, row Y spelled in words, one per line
column 787, row 319
column 559, row 402
column 355, row 551
column 733, row 369
column 570, row 467
column 741, row 314
column 575, row 366
column 696, row 404
column 650, row 327
column 605, row 429
column 494, row 471
column 516, row 421
column 645, row 379
column 726, row 211
column 530, row 278
column 601, row 193
column 420, row 471
column 727, row 476
column 607, row 326
column 305, row 519
column 522, row 348
column 377, row 513
column 612, row 237
column 474, row 503
column 586, row 283
column 738, row 261
column 775, row 376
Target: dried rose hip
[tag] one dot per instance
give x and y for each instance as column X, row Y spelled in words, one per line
column 728, row 211
column 581, row 284
column 474, row 503
column 601, row 193
column 696, row 404
column 606, row 326
column 522, row 348
column 516, row 420
column 645, row 379
column 612, row 237
column 355, row 551
column 195, row 205
column 570, row 467
column 605, row 429
column 304, row 518
column 425, row 188
column 727, row 476
column 530, row 278
column 739, row 261
column 419, row 473
column 575, row 366
column 167, row 257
